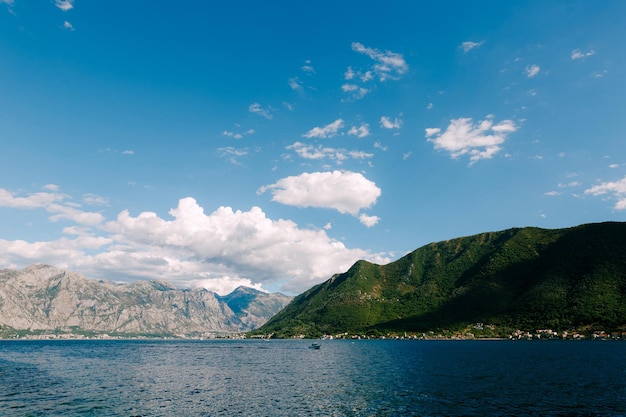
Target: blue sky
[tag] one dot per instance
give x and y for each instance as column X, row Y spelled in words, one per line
column 273, row 144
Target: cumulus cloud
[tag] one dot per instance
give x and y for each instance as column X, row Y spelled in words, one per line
column 64, row 5
column 579, row 54
column 368, row 221
column 388, row 65
column 480, row 140
column 218, row 251
column 616, row 189
column 257, row 109
column 68, row 26
column 361, row 131
column 327, row 131
column 468, row 46
column 344, row 191
column 532, row 70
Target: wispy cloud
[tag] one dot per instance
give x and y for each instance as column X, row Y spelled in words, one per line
column 295, row 84
column 387, row 123
column 388, row 65
column 617, row 189
column 308, row 67
column 356, row 91
column 327, row 131
column 238, row 135
column 233, row 154
column 468, row 45
column 55, row 203
column 532, row 70
column 10, row 4
column 64, row 5
column 257, row 109
column 319, row 152
column 480, row 140
column 580, row 54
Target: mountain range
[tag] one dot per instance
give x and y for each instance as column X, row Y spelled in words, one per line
column 42, row 299
column 520, row 278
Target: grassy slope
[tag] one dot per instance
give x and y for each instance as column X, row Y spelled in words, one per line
column 527, row 278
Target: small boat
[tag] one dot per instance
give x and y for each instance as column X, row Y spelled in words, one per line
column 315, row 346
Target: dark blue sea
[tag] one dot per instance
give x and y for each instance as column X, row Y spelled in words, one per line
column 286, row 378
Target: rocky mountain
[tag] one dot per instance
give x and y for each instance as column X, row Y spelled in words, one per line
column 523, row 278
column 42, row 298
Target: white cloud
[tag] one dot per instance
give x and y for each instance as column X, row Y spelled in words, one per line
column 387, row 123
column 218, row 251
column 307, row 67
column 368, row 221
column 327, row 131
column 430, row 106
column 54, row 203
column 64, row 5
column 65, row 212
column 32, row 201
column 388, row 64
column 357, row 92
column 468, row 46
column 344, row 191
column 360, row 132
column 579, row 54
column 128, row 152
column 552, row 193
column 257, row 109
column 238, row 135
column 480, row 141
column 67, row 25
column 323, row 152
column 617, row 189
column 295, row 84
column 532, row 70
column 349, row 74
column 380, row 146
column 233, row 154
column 95, row 200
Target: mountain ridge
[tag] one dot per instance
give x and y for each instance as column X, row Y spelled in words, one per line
column 516, row 278
column 42, row 298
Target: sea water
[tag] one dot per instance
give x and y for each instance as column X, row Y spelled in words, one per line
column 286, row 378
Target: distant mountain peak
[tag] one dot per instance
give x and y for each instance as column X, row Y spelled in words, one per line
column 46, row 298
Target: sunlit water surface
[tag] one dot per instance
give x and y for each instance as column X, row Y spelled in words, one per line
column 286, row 378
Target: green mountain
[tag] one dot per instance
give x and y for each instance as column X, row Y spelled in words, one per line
column 523, row 278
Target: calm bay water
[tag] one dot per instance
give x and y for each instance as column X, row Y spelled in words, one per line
column 285, row 378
